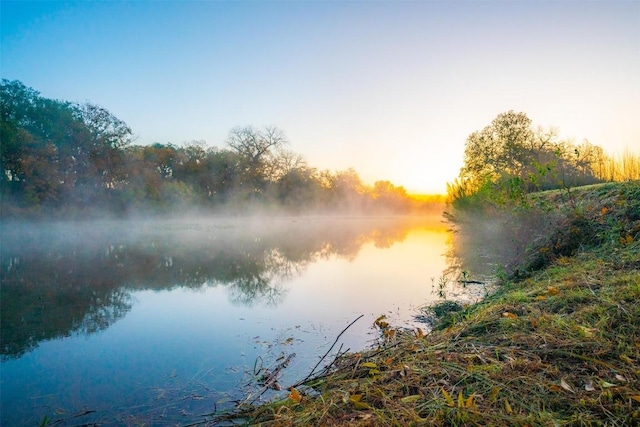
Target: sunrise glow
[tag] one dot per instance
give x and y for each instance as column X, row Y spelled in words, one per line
column 390, row 89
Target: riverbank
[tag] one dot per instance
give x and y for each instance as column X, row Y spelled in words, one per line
column 557, row 344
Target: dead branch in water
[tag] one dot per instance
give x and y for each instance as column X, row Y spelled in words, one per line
column 328, row 351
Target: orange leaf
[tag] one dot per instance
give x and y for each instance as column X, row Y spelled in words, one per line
column 469, row 402
column 419, row 333
column 552, row 290
column 636, row 398
column 540, row 298
column 379, row 322
column 626, row 239
column 295, row 395
column 509, row 315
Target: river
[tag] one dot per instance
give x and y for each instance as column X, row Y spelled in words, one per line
column 162, row 321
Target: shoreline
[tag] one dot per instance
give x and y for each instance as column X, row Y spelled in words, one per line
column 557, row 345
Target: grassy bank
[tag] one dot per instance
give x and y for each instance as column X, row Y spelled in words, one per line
column 557, row 344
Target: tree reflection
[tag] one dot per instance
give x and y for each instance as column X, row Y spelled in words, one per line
column 61, row 279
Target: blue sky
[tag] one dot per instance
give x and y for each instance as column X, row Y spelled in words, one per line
column 390, row 88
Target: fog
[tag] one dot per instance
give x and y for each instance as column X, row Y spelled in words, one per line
column 500, row 242
column 76, row 277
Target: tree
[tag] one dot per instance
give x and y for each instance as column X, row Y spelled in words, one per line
column 254, row 149
column 508, row 159
column 108, row 137
column 505, row 147
column 252, row 144
column 55, row 151
column 37, row 162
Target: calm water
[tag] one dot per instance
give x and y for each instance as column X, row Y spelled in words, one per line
column 163, row 321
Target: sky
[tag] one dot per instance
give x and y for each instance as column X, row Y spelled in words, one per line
column 390, row 88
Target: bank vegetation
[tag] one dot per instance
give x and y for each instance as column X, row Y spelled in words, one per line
column 555, row 343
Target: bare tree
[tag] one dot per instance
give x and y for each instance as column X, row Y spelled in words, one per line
column 253, row 144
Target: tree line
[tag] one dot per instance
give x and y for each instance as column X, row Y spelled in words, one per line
column 60, row 157
column 510, row 158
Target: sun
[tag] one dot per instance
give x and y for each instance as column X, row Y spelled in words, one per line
column 420, row 182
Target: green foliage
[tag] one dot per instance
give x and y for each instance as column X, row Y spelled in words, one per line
column 55, row 152
column 509, row 159
column 59, row 158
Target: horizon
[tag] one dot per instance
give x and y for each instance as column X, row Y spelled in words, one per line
column 390, row 89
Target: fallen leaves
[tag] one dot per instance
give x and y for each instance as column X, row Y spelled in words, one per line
column 565, row 385
column 356, row 401
column 552, row 290
column 461, row 401
column 626, row 240
column 295, row 395
column 507, row 406
column 588, row 385
column 411, row 399
column 627, row 359
column 587, row 332
column 447, row 398
column 380, row 323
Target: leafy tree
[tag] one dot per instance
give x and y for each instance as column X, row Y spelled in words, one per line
column 68, row 157
column 508, row 159
column 108, row 136
column 503, row 147
column 37, row 133
column 55, row 151
column 390, row 197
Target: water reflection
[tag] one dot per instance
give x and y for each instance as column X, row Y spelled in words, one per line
column 67, row 279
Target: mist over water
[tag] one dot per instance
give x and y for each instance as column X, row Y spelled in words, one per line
column 498, row 242
column 144, row 316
